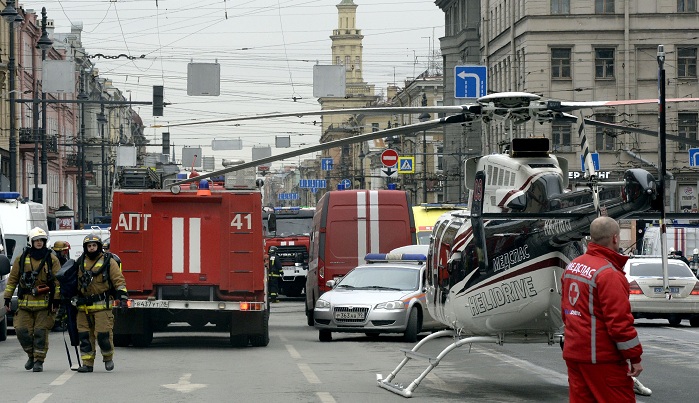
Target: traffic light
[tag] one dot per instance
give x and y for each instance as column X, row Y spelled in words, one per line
column 166, row 143
column 158, row 100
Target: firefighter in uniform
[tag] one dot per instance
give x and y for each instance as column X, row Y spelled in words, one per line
column 62, row 249
column 99, row 282
column 38, row 297
column 274, row 273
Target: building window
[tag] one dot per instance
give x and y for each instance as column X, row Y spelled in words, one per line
column 686, row 6
column 357, row 65
column 560, row 63
column 604, row 136
column 687, row 62
column 348, row 66
column 374, row 127
column 560, row 6
column 604, row 63
column 560, row 136
column 337, row 60
column 604, row 6
column 687, row 128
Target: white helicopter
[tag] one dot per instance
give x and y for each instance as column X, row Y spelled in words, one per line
column 494, row 272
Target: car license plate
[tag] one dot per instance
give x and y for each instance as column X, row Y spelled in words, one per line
column 144, row 303
column 349, row 315
column 673, row 290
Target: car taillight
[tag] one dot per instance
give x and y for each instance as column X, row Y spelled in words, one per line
column 634, row 289
column 695, row 290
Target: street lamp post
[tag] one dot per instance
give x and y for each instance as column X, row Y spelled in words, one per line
column 423, row 118
column 44, row 44
column 81, row 149
column 102, row 119
column 11, row 15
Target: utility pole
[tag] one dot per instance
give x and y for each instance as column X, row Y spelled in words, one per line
column 81, row 149
column 44, row 44
column 101, row 119
column 10, row 14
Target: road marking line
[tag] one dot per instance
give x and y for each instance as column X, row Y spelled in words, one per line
column 670, row 350
column 63, row 378
column 40, row 398
column 308, row 373
column 292, row 352
column 325, row 397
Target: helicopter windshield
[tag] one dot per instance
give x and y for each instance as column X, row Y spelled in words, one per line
column 541, row 190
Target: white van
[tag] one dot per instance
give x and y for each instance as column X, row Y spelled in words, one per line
column 75, row 238
column 17, row 217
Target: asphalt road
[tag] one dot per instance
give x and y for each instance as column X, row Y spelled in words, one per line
column 183, row 365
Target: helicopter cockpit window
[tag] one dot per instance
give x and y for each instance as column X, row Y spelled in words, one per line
column 541, row 191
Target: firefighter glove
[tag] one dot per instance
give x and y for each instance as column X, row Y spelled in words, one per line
column 123, row 305
column 7, row 303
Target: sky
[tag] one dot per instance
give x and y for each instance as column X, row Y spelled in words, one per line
column 266, row 50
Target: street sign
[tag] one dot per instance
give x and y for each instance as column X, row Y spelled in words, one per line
column 389, row 157
column 694, row 157
column 595, row 161
column 326, row 164
column 389, row 172
column 470, row 81
column 313, row 183
column 346, row 184
column 288, row 196
column 406, row 165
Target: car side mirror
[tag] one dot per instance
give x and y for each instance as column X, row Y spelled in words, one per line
column 330, row 283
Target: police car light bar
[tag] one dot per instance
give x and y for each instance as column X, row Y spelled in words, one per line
column 9, row 195
column 395, row 257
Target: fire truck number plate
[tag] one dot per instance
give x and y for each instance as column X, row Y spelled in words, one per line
column 144, row 303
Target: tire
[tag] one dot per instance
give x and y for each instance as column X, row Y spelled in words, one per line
column 674, row 320
column 239, row 340
column 325, row 335
column 3, row 328
column 413, row 327
column 694, row 322
column 122, row 340
column 262, row 339
column 144, row 339
column 310, row 321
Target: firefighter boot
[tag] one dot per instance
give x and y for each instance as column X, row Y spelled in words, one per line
column 29, row 364
column 85, row 368
column 38, row 366
column 109, row 365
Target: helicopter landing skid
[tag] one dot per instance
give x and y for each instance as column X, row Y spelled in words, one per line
column 433, row 361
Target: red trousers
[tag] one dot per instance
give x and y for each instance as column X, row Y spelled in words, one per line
column 599, row 382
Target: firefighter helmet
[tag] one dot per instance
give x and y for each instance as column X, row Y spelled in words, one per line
column 60, row 246
column 272, row 250
column 37, row 233
column 92, row 238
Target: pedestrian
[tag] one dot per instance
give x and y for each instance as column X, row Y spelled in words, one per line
column 38, row 297
column 680, row 255
column 62, row 250
column 274, row 273
column 99, row 283
column 601, row 346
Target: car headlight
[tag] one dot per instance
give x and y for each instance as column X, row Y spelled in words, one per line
column 391, row 305
column 321, row 303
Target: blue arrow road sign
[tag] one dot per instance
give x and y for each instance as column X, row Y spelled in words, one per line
column 312, row 183
column 346, row 184
column 326, row 164
column 694, row 157
column 595, row 161
column 470, row 81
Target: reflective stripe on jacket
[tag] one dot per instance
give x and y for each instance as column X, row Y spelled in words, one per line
column 596, row 310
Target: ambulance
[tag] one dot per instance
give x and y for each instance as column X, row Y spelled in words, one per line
column 427, row 214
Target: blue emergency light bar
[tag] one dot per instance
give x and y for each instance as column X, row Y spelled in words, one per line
column 9, row 195
column 395, row 257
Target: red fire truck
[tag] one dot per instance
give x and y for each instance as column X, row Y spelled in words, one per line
column 292, row 239
column 347, row 225
column 191, row 256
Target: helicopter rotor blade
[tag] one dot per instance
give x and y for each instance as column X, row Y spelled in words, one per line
column 396, row 131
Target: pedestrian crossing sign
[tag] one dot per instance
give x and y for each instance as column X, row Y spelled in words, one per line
column 406, row 165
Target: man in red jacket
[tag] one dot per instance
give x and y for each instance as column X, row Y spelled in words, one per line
column 601, row 348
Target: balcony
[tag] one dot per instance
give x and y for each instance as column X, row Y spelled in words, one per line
column 26, row 143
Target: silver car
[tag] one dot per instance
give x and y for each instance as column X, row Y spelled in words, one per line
column 645, row 276
column 376, row 298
